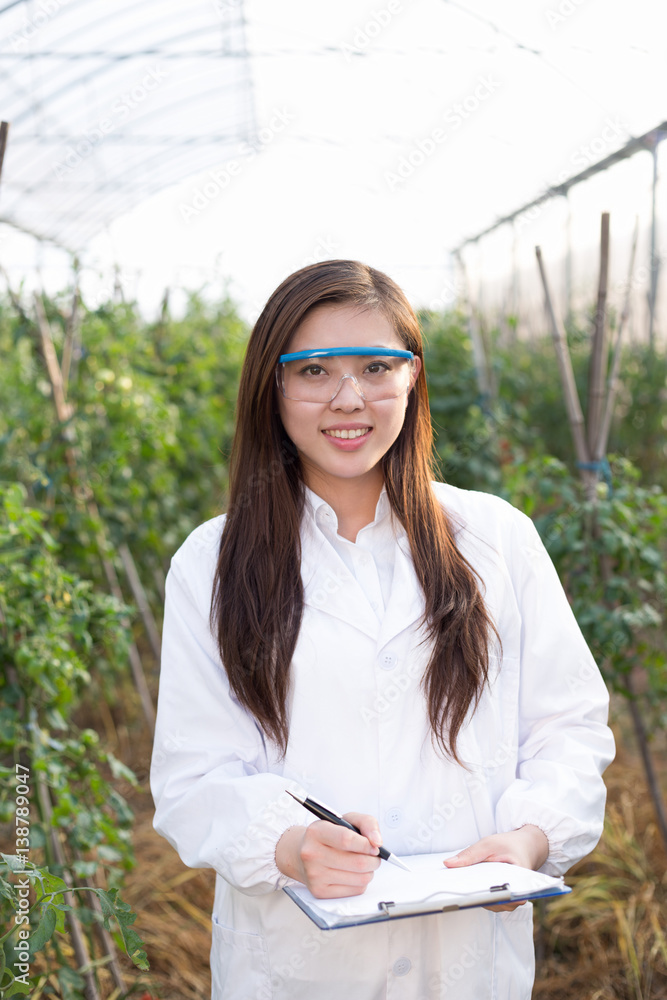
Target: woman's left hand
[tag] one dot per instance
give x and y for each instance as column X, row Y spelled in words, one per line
column 527, row 846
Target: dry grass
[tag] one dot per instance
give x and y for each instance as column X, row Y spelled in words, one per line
column 605, row 941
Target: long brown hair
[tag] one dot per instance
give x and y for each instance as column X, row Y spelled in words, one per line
column 257, row 600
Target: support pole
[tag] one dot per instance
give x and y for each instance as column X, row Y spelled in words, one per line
column 484, row 383
column 78, row 938
column 655, row 262
column 568, row 259
column 600, row 449
column 140, row 599
column 597, row 369
column 572, row 404
column 4, row 130
column 83, row 494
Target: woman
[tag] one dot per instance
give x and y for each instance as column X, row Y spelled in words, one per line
column 388, row 644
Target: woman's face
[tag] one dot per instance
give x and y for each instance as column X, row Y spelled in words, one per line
column 326, row 457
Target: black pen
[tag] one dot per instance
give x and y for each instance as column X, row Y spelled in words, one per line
column 317, row 809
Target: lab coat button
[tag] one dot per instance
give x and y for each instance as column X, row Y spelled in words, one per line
column 393, row 817
column 402, row 966
column 387, row 660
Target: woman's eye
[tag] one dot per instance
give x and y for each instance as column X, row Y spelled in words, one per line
column 377, row 368
column 313, row 370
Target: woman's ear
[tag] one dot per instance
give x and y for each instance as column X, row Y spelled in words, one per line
column 417, row 367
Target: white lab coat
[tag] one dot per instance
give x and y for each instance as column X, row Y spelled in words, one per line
column 359, row 740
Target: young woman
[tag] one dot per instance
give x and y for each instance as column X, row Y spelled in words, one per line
column 390, row 645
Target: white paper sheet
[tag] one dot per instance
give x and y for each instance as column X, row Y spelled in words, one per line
column 428, row 876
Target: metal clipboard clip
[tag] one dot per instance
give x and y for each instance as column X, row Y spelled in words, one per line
column 494, row 894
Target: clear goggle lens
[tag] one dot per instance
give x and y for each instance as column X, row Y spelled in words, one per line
column 318, row 376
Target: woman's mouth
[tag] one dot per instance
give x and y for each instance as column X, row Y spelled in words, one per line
column 347, row 434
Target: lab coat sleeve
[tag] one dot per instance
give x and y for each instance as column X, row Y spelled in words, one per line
column 564, row 743
column 216, row 802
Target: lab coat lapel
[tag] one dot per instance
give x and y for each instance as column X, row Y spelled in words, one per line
column 329, row 586
column 406, row 601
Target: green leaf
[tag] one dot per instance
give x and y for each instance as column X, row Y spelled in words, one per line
column 114, row 906
column 17, row 989
column 72, row 984
column 44, row 931
column 50, row 883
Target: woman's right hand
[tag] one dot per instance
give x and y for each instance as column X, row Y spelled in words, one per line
column 331, row 860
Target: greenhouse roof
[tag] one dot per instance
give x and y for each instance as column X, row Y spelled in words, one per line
column 110, row 101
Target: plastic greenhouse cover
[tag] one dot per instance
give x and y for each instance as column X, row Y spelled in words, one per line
column 110, row 101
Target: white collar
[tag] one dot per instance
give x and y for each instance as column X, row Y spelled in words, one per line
column 323, row 513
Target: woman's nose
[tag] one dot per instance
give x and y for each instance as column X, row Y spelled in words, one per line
column 348, row 395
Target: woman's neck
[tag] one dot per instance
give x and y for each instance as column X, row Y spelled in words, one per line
column 353, row 500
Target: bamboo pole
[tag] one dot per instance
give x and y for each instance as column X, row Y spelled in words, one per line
column 655, row 262
column 649, row 769
column 159, row 581
column 4, row 130
column 106, row 941
column 71, row 335
column 613, row 380
column 83, row 495
column 140, row 599
column 598, row 359
column 78, row 937
column 484, row 382
column 572, row 404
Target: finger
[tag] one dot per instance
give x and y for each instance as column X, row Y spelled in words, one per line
column 328, row 883
column 369, row 826
column 336, row 890
column 342, row 839
column 469, row 856
column 335, row 847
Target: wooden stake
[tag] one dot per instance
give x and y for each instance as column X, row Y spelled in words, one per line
column 613, row 382
column 140, row 599
column 649, row 769
column 106, row 941
column 598, row 361
column 84, row 496
column 71, row 335
column 78, row 938
column 484, row 381
column 63, row 409
column 4, row 130
column 573, row 406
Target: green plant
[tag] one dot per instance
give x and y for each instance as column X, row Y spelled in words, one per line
column 20, row 944
column 56, row 636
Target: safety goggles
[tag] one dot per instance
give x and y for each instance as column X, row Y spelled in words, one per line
column 317, row 376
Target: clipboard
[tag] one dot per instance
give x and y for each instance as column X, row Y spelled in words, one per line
column 396, row 895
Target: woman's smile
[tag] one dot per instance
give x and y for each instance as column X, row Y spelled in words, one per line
column 348, row 436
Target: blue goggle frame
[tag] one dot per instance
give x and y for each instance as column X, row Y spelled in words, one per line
column 341, row 352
